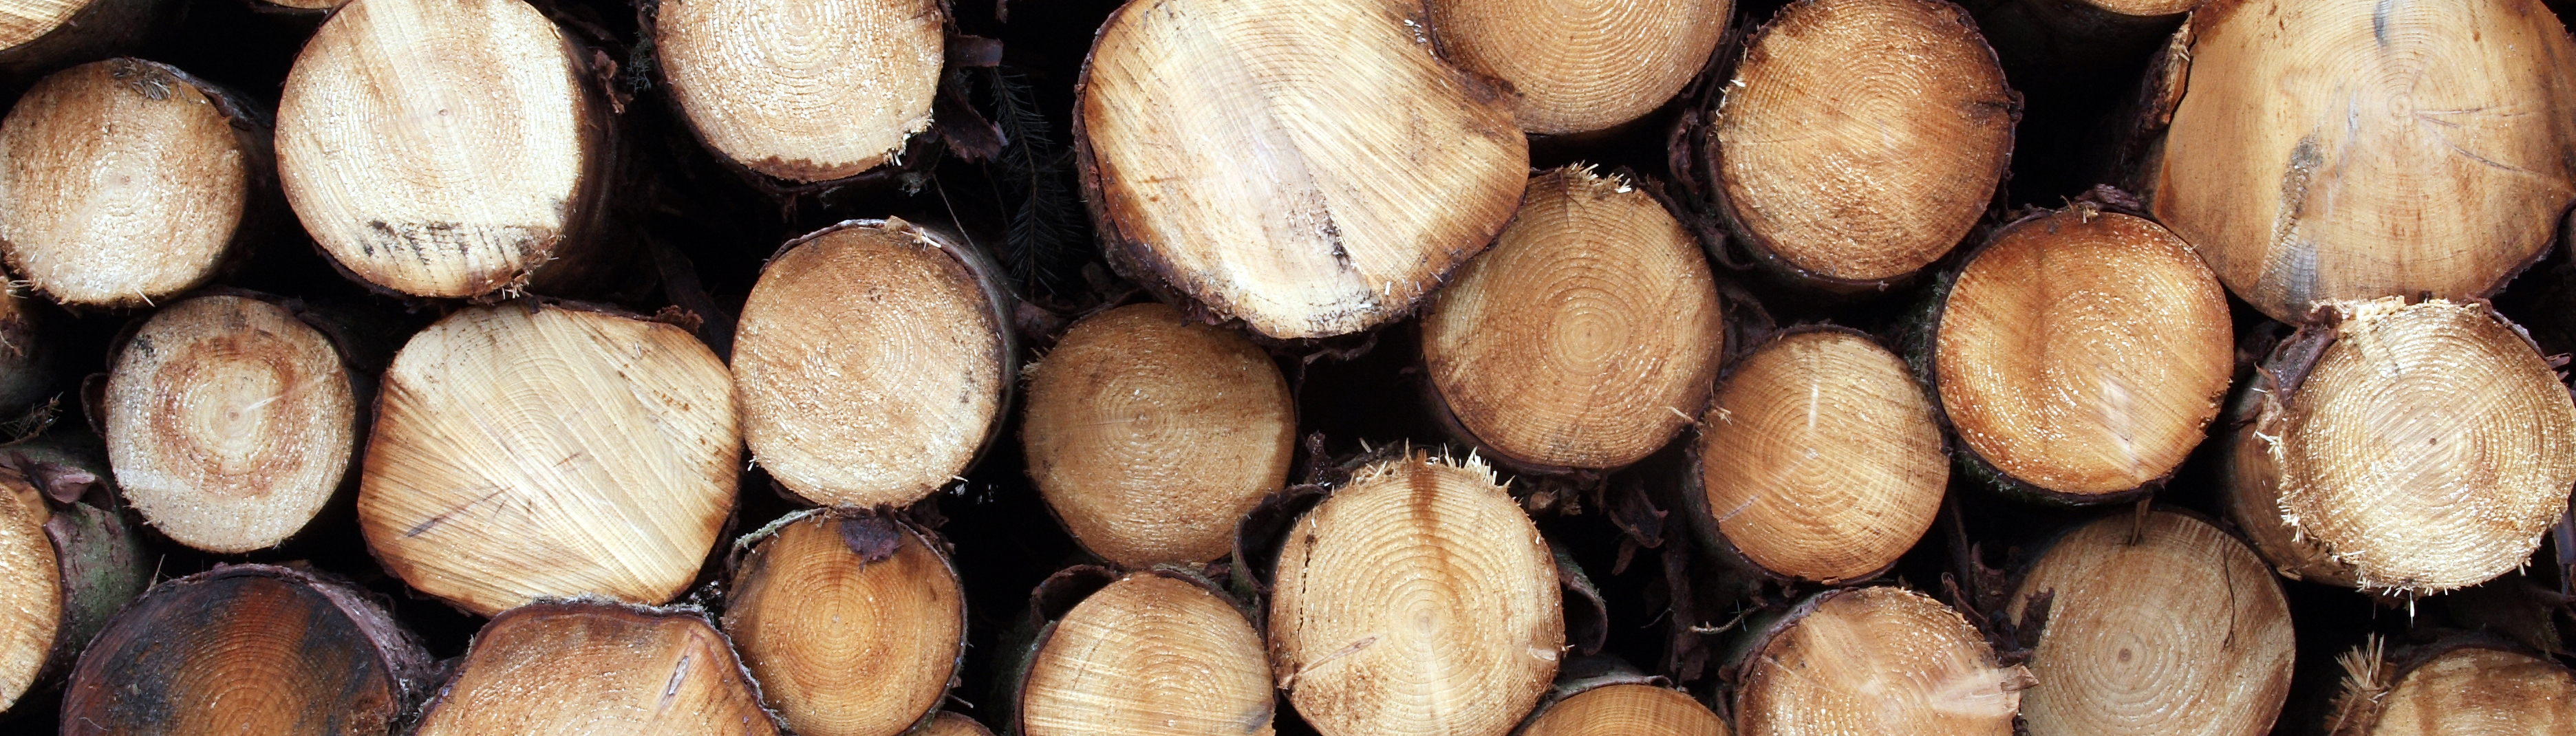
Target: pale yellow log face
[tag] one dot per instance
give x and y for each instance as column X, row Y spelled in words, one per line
column 1587, row 337
column 803, row 90
column 1585, row 65
column 1627, row 710
column 1876, row 661
column 438, row 147
column 587, row 668
column 1149, row 655
column 2475, row 691
column 120, row 184
column 2332, row 151
column 1349, row 169
column 31, row 595
column 27, row 20
column 842, row 645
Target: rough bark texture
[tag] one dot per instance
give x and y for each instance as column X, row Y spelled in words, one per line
column 40, row 36
column 597, row 667
column 853, row 622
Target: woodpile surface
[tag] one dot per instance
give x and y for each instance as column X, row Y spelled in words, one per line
column 1287, row 367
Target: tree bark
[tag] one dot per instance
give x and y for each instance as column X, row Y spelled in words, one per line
column 249, row 649
column 536, row 449
column 450, row 149
column 1417, row 599
column 597, row 667
column 1587, row 337
column 1150, row 435
column 853, row 622
column 128, row 181
column 72, row 560
column 875, row 360
column 1819, row 459
column 41, row 36
column 2457, row 685
column 804, row 92
column 1233, row 163
column 2402, row 448
column 2080, row 355
column 2160, row 624
column 1108, row 665
column 1582, row 67
column 1870, row 661
column 1858, row 141
column 2381, row 175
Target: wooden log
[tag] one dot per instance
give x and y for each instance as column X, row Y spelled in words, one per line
column 2080, row 355
column 597, row 667
column 874, row 359
column 2455, row 686
column 440, row 148
column 2155, row 625
column 28, row 351
column 1858, row 140
column 1586, row 338
column 1599, row 695
column 1582, row 67
column 1159, row 653
column 952, row 723
column 853, row 623
column 1150, row 435
column 534, row 449
column 129, row 181
column 248, row 649
column 230, row 421
column 1417, row 599
column 1235, row 162
column 38, row 37
column 1869, row 661
column 2435, row 154
column 2402, row 448
column 804, row 92
column 68, row 561
column 1820, row 459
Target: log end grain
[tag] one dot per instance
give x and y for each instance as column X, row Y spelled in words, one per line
column 2456, row 688
column 594, row 667
column 22, row 21
column 1582, row 67
column 952, row 723
column 802, row 91
column 1587, row 336
column 853, row 623
column 1150, row 434
column 31, row 591
column 1308, row 168
column 1151, row 654
column 1630, row 708
column 1876, row 661
column 121, row 182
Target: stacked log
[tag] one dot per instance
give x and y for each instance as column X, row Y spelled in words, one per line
column 1874, row 660
column 587, row 666
column 852, row 622
column 2456, row 685
column 803, row 92
column 72, row 561
column 1577, row 68
column 1106, row 666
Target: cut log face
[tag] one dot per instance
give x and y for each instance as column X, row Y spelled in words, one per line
column 1587, row 337
column 2165, row 627
column 803, row 91
column 229, row 422
column 2428, row 448
column 853, row 623
column 1627, row 709
column 1150, row 434
column 1861, row 182
column 1872, row 661
column 951, row 723
column 591, row 667
column 123, row 183
column 1151, row 654
column 445, row 148
column 31, row 591
column 528, row 449
column 872, row 359
column 1306, row 167
column 2466, row 689
column 2083, row 353
column 1417, row 600
column 1820, row 458
column 1586, row 66
column 2339, row 151
column 247, row 649
column 66, row 563
column 22, row 21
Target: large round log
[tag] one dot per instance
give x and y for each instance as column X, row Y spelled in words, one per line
column 595, row 667
column 803, row 91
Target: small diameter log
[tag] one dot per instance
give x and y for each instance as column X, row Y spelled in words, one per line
column 597, row 667
column 27, row 353
column 1859, row 140
column 2459, row 686
column 1875, row 661
column 248, row 649
column 2434, row 155
column 1155, row 653
column 1600, row 696
column 533, row 449
column 2081, row 354
column 1819, row 459
column 852, row 622
column 2403, row 448
column 1150, row 434
column 68, row 561
column 1417, row 600
column 230, row 421
column 1585, row 66
column 1306, row 167
column 38, row 37
column 1587, row 337
column 448, row 148
column 873, row 359
column 2160, row 625
column 127, row 181
column 952, row 723
column 802, row 91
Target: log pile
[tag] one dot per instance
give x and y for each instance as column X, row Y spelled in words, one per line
column 1253, row 367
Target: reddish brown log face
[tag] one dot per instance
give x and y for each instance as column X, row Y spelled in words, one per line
column 852, row 623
